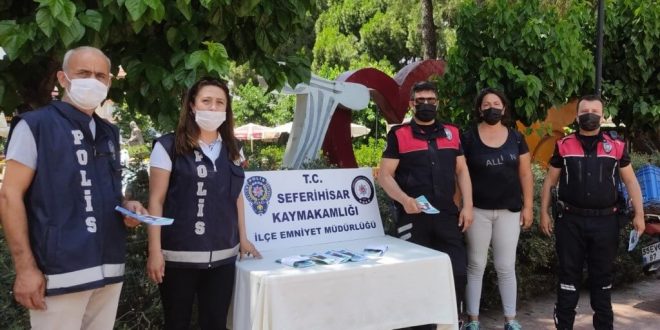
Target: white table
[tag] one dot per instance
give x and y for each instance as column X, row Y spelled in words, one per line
column 409, row 285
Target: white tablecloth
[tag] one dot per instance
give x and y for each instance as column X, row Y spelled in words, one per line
column 409, row 285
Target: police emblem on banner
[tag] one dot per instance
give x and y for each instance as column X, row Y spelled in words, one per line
column 363, row 190
column 257, row 191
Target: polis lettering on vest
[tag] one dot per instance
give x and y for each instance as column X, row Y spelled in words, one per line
column 83, row 159
column 200, row 226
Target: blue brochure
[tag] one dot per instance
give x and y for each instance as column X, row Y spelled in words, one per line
column 148, row 219
column 634, row 239
column 426, row 206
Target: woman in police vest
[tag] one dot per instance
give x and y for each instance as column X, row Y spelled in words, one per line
column 196, row 178
column 502, row 190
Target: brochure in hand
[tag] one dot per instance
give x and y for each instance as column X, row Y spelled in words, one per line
column 426, row 206
column 296, row 261
column 148, row 219
column 634, row 239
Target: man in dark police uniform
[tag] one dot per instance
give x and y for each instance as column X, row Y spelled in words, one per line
column 585, row 169
column 62, row 183
column 425, row 158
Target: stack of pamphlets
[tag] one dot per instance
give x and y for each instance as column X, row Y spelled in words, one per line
column 352, row 256
column 328, row 258
column 296, row 261
column 331, row 257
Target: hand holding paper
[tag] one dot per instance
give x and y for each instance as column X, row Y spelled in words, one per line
column 148, row 219
column 426, row 206
column 633, row 240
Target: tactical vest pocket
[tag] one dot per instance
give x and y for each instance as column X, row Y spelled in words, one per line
column 236, row 180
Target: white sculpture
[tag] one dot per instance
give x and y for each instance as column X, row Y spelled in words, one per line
column 316, row 101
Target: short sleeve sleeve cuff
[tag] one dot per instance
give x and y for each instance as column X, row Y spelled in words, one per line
column 159, row 158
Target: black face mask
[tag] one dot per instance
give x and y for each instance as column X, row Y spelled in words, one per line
column 589, row 121
column 492, row 116
column 425, row 112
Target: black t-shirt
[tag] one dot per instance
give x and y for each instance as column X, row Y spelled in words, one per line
column 494, row 171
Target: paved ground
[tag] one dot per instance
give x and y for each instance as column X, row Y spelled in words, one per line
column 636, row 307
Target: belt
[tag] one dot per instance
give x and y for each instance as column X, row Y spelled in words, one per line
column 571, row 209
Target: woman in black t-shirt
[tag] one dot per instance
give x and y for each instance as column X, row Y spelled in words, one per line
column 502, row 191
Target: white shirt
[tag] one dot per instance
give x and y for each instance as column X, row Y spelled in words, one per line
column 161, row 159
column 23, row 148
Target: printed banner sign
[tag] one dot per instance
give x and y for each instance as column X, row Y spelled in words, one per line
column 305, row 207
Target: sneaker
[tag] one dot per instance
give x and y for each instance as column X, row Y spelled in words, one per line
column 472, row 325
column 512, row 325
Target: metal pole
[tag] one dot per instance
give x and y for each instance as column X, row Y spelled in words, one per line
column 599, row 47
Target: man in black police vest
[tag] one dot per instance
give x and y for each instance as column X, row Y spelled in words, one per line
column 62, row 182
column 585, row 169
column 425, row 158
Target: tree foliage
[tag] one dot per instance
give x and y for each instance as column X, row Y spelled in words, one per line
column 533, row 50
column 541, row 53
column 163, row 46
column 631, row 68
column 252, row 104
column 351, row 30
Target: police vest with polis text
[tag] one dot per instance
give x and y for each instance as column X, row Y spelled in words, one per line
column 77, row 238
column 201, row 198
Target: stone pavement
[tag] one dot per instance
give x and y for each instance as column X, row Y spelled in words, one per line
column 636, row 307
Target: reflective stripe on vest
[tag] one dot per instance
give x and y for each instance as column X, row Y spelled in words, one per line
column 87, row 275
column 200, row 256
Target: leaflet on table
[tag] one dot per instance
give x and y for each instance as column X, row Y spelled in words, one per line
column 426, row 206
column 377, row 250
column 148, row 219
column 331, row 257
column 354, row 257
column 296, row 261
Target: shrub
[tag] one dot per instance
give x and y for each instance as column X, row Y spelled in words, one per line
column 369, row 154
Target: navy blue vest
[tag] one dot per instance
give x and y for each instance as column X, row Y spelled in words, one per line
column 77, row 238
column 202, row 201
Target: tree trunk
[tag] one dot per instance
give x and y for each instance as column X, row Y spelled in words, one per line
column 429, row 43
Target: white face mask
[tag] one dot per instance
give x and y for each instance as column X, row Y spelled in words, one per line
column 86, row 93
column 210, row 120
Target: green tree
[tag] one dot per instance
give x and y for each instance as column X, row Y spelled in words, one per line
column 163, row 46
column 372, row 30
column 533, row 50
column 631, row 68
column 253, row 104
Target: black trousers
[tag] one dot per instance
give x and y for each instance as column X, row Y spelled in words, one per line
column 594, row 240
column 439, row 232
column 213, row 289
